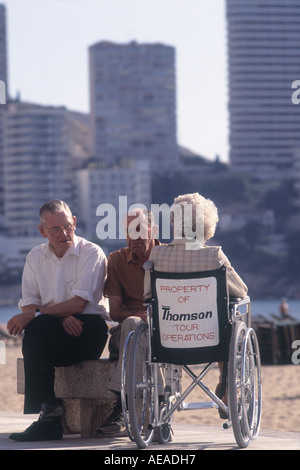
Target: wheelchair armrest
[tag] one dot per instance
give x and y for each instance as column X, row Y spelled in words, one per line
column 235, row 303
column 239, row 300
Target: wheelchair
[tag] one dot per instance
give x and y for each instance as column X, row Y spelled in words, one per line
column 190, row 321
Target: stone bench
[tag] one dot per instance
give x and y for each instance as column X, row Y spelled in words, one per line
column 83, row 389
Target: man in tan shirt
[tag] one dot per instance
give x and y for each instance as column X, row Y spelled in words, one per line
column 124, row 288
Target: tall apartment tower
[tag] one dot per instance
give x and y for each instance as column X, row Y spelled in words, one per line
column 107, row 187
column 133, row 103
column 39, row 157
column 3, row 48
column 263, row 52
column 3, row 78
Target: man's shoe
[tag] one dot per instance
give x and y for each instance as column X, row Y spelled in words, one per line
column 50, row 410
column 114, row 424
column 39, row 431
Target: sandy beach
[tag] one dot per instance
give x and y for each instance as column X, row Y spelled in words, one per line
column 281, row 394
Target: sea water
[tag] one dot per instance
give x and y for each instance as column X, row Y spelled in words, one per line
column 258, row 307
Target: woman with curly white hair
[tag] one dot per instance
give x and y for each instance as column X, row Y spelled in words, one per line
column 194, row 220
column 194, row 217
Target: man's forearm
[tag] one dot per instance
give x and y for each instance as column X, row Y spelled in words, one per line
column 61, row 309
column 66, row 308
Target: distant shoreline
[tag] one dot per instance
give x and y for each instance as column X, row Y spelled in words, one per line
column 8, row 303
column 10, row 295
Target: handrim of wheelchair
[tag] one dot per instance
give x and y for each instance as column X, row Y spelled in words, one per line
column 208, row 328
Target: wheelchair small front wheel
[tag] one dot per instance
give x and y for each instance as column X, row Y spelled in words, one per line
column 140, row 388
column 164, row 431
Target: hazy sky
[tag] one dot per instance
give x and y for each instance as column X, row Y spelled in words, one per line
column 48, row 43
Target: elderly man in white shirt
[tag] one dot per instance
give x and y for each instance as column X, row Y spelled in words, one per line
column 63, row 314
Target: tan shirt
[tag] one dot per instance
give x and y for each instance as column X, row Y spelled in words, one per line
column 125, row 278
column 175, row 257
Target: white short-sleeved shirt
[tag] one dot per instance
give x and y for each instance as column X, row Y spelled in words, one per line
column 81, row 272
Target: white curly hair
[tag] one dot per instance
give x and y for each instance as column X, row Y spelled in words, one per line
column 194, row 216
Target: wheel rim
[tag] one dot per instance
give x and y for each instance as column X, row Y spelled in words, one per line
column 244, row 384
column 235, row 386
column 251, row 384
column 140, row 390
column 124, row 396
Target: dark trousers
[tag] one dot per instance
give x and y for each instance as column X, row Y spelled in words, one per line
column 47, row 345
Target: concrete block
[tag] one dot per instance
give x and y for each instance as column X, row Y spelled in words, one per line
column 71, row 421
column 83, row 389
column 93, row 413
column 87, row 379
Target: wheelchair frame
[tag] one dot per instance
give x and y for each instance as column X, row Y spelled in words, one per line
column 151, row 391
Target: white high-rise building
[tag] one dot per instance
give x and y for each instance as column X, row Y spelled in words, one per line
column 133, row 104
column 3, row 78
column 3, row 48
column 41, row 144
column 113, row 190
column 263, row 52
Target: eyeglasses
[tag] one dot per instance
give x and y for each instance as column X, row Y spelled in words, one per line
column 56, row 230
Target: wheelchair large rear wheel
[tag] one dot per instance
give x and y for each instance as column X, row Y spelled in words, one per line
column 140, row 389
column 124, row 395
column 244, row 384
column 251, row 380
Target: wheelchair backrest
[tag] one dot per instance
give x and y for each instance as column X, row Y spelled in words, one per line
column 189, row 316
